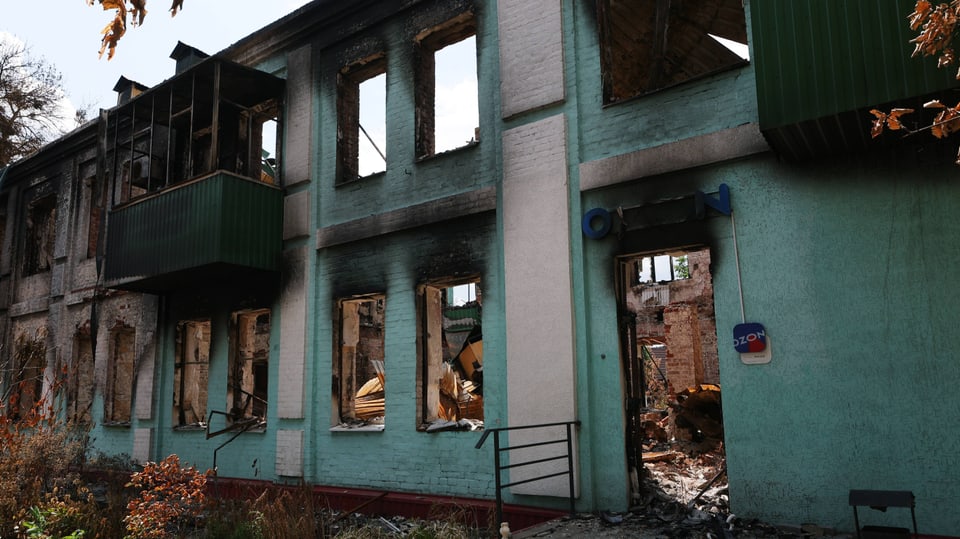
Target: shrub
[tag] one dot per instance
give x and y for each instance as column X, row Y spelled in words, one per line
column 170, row 500
column 37, row 448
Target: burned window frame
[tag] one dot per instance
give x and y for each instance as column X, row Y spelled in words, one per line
column 28, row 376
column 95, row 203
column 349, row 79
column 448, row 390
column 116, row 382
column 183, row 374
column 347, row 387
column 80, row 379
column 39, row 260
column 426, row 46
column 248, row 403
column 622, row 81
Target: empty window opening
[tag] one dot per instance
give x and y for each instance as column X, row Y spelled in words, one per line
column 450, row 342
column 191, row 372
column 94, row 199
column 120, row 374
column 648, row 46
column 40, row 235
column 247, row 387
column 269, row 166
column 361, row 119
column 447, row 115
column 661, row 268
column 359, row 378
column 29, row 361
column 80, row 380
column 670, row 365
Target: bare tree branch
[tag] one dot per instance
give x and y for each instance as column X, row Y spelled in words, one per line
column 30, row 95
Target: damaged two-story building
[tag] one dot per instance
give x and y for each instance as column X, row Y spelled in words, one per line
column 312, row 314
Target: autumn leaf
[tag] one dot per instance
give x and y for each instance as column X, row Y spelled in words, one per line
column 891, row 120
column 946, row 123
column 139, row 11
column 920, row 14
column 175, row 7
column 111, row 34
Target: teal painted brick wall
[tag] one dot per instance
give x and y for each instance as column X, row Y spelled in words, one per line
column 252, row 454
column 406, row 180
column 700, row 106
column 845, row 264
column 695, row 108
column 400, row 457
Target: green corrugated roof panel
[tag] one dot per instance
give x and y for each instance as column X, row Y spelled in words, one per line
column 193, row 232
column 818, row 58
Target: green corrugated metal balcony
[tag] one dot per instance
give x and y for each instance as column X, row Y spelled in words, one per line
column 821, row 66
column 221, row 228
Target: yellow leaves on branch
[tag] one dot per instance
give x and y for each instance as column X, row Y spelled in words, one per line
column 114, row 30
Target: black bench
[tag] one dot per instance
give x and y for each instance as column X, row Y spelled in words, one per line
column 881, row 500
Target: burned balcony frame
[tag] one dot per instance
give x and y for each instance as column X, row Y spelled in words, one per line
column 204, row 120
column 190, row 200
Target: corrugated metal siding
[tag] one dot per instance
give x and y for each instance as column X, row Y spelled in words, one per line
column 817, row 58
column 221, row 219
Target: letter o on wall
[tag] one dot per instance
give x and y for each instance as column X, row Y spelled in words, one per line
column 605, row 223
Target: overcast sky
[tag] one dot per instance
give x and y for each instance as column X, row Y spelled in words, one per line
column 66, row 33
column 68, row 37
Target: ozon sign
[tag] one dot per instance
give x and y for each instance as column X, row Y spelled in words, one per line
column 749, row 338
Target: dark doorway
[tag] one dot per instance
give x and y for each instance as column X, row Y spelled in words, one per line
column 668, row 342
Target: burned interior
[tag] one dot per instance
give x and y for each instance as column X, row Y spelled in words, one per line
column 248, row 368
column 359, row 377
column 650, row 45
column 671, row 369
column 26, row 379
column 450, row 344
column 80, row 378
column 40, row 234
column 118, row 401
column 191, row 371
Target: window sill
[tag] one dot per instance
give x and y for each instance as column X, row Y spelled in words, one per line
column 463, row 425
column 351, row 181
column 470, row 145
column 358, row 428
column 116, row 424
column 190, row 428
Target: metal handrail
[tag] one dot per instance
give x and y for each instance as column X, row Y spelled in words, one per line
column 499, row 468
